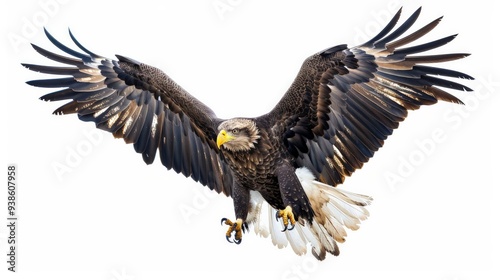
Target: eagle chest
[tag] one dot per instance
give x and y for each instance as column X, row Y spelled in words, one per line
column 255, row 169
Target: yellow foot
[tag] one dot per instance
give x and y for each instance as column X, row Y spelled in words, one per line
column 287, row 216
column 238, row 227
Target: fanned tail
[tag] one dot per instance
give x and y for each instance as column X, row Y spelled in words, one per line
column 335, row 210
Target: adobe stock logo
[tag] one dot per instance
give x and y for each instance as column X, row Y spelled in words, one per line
column 453, row 119
column 304, row 270
column 77, row 153
column 200, row 201
column 222, row 7
column 32, row 25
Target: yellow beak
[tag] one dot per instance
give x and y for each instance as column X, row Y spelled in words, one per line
column 223, row 137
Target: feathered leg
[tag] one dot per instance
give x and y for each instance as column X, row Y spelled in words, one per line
column 294, row 198
column 241, row 201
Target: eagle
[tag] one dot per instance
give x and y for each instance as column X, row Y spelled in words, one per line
column 282, row 168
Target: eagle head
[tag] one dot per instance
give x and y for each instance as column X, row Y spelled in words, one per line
column 238, row 134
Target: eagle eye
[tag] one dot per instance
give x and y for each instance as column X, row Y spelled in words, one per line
column 235, row 130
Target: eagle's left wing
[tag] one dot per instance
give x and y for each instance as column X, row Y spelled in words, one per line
column 142, row 105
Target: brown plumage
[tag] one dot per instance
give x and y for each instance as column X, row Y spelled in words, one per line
column 336, row 114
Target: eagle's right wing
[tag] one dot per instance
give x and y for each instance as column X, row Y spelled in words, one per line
column 346, row 101
column 142, row 105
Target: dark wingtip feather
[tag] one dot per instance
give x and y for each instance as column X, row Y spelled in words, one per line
column 26, row 65
column 386, row 29
column 446, row 83
column 414, row 36
column 438, row 58
column 52, row 83
column 64, row 48
column 59, row 95
column 398, row 32
column 429, row 70
column 56, row 57
column 37, row 49
column 425, row 47
column 50, row 69
column 81, row 46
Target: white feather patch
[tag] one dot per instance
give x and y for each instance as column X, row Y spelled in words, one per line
column 335, row 210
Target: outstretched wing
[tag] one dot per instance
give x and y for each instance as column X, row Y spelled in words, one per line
column 142, row 105
column 346, row 101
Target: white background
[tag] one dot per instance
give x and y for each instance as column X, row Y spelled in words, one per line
column 110, row 216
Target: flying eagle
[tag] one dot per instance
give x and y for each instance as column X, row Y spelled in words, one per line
column 281, row 169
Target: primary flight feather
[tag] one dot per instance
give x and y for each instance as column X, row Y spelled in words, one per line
column 282, row 168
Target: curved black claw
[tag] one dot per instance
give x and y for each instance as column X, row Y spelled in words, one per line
column 237, row 241
column 290, row 227
column 238, row 227
column 288, row 218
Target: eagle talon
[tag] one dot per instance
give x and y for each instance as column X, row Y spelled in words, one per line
column 237, row 227
column 288, row 218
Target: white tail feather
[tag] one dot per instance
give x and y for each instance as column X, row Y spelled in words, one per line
column 334, row 210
